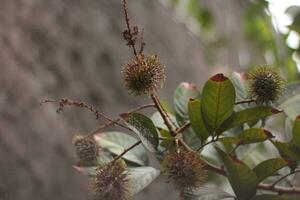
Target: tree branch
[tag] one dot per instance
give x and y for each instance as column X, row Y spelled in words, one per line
column 67, row 102
column 163, row 114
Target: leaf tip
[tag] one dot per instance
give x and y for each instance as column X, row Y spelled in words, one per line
column 268, row 134
column 276, row 111
column 219, row 78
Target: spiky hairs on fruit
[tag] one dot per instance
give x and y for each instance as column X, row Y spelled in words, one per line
column 184, row 169
column 111, row 182
column 144, row 74
column 86, row 149
column 265, row 84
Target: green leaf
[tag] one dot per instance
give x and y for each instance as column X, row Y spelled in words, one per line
column 141, row 177
column 290, row 100
column 116, row 143
column 268, row 197
column 144, row 128
column 205, row 193
column 249, row 136
column 240, row 89
column 287, row 151
column 218, row 100
column 296, row 132
column 183, row 93
column 242, row 179
column 269, row 167
column 248, row 115
column 159, row 122
column 196, row 119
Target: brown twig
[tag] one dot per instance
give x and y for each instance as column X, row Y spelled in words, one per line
column 163, row 114
column 245, row 101
column 213, row 140
column 142, row 107
column 110, row 123
column 183, row 127
column 67, row 102
column 143, row 44
column 262, row 186
column 129, row 35
column 283, row 177
column 126, row 150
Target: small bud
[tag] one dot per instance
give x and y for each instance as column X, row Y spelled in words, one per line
column 144, row 74
column 86, row 149
column 111, row 182
column 185, row 169
column 265, row 84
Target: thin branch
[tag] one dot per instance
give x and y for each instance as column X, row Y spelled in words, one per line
column 168, row 117
column 129, row 35
column 142, row 107
column 143, row 44
column 245, row 101
column 163, row 114
column 213, row 140
column 262, row 186
column 283, row 177
column 126, row 150
column 67, row 102
column 110, row 123
column 183, row 127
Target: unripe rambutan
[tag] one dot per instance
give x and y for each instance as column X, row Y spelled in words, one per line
column 265, row 84
column 144, row 74
column 184, row 169
column 86, row 149
column 111, row 182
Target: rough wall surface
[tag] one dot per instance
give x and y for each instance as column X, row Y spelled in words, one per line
column 72, row 48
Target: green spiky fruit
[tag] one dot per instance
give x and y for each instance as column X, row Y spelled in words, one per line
column 265, row 84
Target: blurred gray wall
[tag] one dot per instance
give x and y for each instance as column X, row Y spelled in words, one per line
column 74, row 49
